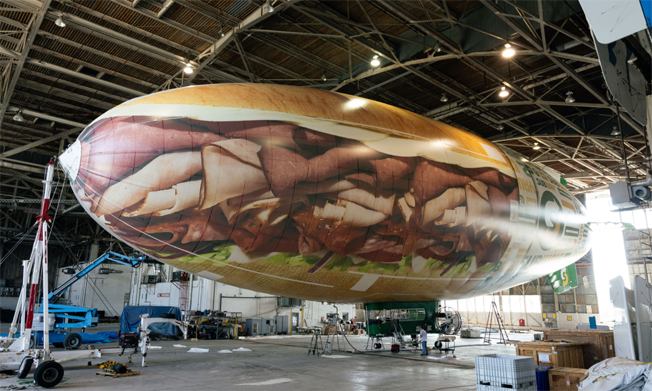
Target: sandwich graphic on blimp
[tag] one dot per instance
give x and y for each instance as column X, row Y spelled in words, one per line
column 321, row 196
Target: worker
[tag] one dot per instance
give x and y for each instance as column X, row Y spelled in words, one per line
column 424, row 341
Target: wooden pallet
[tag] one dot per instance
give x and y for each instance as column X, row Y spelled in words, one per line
column 113, row 374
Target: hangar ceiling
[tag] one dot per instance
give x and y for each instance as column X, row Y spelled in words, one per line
column 439, row 58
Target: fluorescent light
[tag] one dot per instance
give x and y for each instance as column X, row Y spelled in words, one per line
column 569, row 97
column 508, row 51
column 375, row 61
column 503, row 92
column 59, row 22
column 188, row 69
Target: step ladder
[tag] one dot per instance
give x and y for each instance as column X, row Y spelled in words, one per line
column 332, row 336
column 499, row 322
column 316, row 345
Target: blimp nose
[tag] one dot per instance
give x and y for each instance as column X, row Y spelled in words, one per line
column 70, row 160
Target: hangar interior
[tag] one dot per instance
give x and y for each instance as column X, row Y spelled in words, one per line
column 526, row 75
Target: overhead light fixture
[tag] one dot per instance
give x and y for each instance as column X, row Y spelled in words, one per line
column 323, row 77
column 508, row 51
column 59, row 22
column 375, row 61
column 569, row 97
column 503, row 92
column 536, row 146
column 500, row 127
column 437, row 48
column 222, row 34
column 267, row 8
column 524, row 159
column 188, row 69
column 444, row 98
column 19, row 117
column 615, row 131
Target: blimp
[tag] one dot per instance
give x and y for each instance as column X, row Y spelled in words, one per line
column 318, row 195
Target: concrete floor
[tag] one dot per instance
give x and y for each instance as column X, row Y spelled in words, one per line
column 279, row 363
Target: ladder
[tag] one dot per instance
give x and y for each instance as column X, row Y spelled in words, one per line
column 183, row 296
column 316, row 345
column 499, row 322
column 333, row 331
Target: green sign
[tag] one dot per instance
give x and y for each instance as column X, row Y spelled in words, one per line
column 564, row 279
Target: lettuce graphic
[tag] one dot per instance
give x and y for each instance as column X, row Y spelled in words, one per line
column 220, row 255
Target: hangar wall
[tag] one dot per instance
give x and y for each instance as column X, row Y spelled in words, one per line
column 111, row 292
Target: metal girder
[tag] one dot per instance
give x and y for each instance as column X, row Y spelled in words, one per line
column 49, row 117
column 211, row 12
column 102, row 70
column 490, row 72
column 100, row 53
column 11, row 78
column 548, row 103
column 534, row 41
column 207, row 56
column 65, row 94
column 57, row 102
column 117, row 38
column 42, row 141
column 90, row 90
column 164, row 8
column 127, row 26
column 299, row 53
column 80, row 75
column 36, row 201
column 153, row 15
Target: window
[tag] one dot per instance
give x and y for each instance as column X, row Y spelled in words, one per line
column 533, row 304
column 417, row 314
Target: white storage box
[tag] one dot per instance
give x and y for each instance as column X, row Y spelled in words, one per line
column 492, row 388
column 505, row 371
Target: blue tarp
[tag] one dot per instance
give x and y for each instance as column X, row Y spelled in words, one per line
column 109, row 334
column 130, row 319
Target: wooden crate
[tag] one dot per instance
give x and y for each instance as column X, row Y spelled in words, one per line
column 552, row 354
column 599, row 344
column 566, row 379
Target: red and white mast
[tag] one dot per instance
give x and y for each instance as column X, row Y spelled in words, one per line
column 38, row 260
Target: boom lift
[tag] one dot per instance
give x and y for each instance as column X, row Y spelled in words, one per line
column 63, row 318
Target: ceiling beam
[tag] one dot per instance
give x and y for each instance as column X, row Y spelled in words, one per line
column 209, row 54
column 9, row 78
column 80, row 75
column 534, row 41
column 164, row 8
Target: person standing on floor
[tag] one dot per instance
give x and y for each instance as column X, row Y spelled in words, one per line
column 424, row 341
